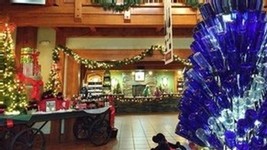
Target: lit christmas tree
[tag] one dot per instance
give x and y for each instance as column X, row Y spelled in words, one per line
column 13, row 92
column 54, row 83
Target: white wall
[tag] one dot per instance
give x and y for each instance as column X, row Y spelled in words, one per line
column 124, row 43
column 45, row 59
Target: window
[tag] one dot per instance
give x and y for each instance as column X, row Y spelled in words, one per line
column 140, row 76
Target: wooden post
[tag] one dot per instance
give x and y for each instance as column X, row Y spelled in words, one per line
column 26, row 37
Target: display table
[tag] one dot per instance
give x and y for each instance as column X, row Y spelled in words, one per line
column 17, row 132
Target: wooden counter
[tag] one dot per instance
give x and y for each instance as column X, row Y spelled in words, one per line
column 147, row 104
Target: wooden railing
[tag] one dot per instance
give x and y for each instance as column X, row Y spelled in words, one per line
column 84, row 13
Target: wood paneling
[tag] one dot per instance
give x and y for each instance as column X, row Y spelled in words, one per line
column 72, row 82
column 26, row 37
column 78, row 15
column 122, row 32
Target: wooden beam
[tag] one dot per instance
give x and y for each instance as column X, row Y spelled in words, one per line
column 26, row 37
column 123, row 32
column 78, row 11
column 93, row 29
column 63, row 16
column 158, row 29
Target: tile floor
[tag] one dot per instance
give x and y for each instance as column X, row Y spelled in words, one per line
column 135, row 132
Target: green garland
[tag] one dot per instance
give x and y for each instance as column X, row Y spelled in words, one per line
column 54, row 84
column 194, row 3
column 112, row 5
column 92, row 64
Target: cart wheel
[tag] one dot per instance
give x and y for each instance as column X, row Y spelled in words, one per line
column 28, row 139
column 81, row 128
column 100, row 132
column 6, row 136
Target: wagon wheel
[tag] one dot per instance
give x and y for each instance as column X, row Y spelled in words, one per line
column 100, row 132
column 6, row 135
column 81, row 128
column 28, row 139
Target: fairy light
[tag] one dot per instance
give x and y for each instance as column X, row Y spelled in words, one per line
column 14, row 96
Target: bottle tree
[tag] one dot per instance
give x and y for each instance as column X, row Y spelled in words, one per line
column 224, row 102
column 13, row 94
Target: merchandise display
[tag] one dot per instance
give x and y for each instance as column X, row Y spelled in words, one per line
column 224, row 102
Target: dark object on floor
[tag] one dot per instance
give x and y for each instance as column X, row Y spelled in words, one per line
column 163, row 144
column 114, row 133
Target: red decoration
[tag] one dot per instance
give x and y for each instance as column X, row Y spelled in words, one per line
column 66, row 104
column 112, row 111
column 36, row 66
column 9, row 123
column 42, row 104
column 36, row 92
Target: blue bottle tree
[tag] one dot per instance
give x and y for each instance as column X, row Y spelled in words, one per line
column 224, row 102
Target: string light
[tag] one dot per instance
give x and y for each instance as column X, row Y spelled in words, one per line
column 92, row 64
column 14, row 95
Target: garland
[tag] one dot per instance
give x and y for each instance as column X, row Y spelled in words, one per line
column 194, row 3
column 54, row 83
column 92, row 64
column 107, row 5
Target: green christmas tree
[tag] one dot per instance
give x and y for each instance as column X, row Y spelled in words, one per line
column 53, row 83
column 13, row 92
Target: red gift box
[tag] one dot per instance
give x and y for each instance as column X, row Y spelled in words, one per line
column 50, row 104
column 66, row 104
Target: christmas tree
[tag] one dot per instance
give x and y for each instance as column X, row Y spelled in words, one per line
column 224, row 103
column 12, row 91
column 54, row 83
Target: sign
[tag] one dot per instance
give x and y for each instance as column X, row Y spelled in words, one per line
column 168, row 53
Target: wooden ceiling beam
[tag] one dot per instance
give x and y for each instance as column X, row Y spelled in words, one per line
column 78, row 11
column 93, row 29
column 67, row 16
column 122, row 32
column 158, row 29
column 67, row 20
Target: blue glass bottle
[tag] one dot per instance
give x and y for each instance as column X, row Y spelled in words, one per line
column 230, row 139
column 206, row 11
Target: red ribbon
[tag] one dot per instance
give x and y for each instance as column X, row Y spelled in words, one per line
column 112, row 111
column 35, row 93
column 9, row 123
column 35, row 62
column 34, row 55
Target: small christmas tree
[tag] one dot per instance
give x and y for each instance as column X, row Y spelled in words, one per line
column 54, row 83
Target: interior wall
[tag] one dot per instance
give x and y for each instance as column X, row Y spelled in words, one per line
column 46, row 38
column 124, row 43
column 126, row 79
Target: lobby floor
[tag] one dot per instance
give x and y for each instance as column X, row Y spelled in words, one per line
column 135, row 132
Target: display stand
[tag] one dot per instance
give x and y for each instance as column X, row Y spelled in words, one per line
column 15, row 129
column 107, row 82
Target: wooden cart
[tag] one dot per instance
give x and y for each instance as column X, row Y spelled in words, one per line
column 18, row 132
